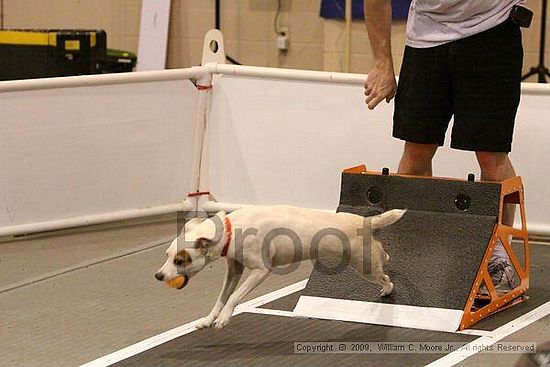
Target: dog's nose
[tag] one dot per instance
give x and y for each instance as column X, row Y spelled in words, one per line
column 159, row 276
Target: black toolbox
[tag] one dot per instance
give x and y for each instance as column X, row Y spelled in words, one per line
column 26, row 54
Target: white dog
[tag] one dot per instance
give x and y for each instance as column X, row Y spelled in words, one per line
column 266, row 237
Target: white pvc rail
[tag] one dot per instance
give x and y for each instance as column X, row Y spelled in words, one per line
column 53, row 225
column 195, row 72
column 286, row 74
column 325, row 76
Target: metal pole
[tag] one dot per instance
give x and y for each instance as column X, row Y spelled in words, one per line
column 542, row 76
column 347, row 50
column 217, row 23
column 217, row 15
column 541, row 70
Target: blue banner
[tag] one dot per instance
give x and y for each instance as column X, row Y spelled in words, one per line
column 336, row 9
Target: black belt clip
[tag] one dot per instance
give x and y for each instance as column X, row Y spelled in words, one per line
column 521, row 16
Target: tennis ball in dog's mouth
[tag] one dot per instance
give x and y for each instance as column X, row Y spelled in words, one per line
column 178, row 282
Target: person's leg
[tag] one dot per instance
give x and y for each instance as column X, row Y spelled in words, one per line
column 496, row 166
column 417, row 159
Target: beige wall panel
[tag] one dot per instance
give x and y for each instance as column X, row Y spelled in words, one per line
column 531, row 59
column 271, row 5
column 333, row 61
column 334, row 41
column 315, row 43
column 534, row 5
column 231, row 20
column 186, row 23
column 335, row 37
column 183, row 51
column 333, row 34
column 248, row 28
column 255, row 53
column 119, row 18
column 303, row 55
column 195, row 5
column 305, row 27
column 256, row 26
column 131, row 19
column 361, row 63
column 307, row 5
column 531, row 37
column 232, row 5
column 130, row 43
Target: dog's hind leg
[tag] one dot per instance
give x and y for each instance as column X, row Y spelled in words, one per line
column 255, row 277
column 378, row 269
column 386, row 258
column 374, row 272
column 232, row 276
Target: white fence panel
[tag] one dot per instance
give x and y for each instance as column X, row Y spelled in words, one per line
column 90, row 150
column 286, row 141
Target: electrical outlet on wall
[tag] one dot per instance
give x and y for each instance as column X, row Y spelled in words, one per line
column 283, row 39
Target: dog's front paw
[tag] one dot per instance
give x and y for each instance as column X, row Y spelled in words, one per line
column 205, row 322
column 222, row 321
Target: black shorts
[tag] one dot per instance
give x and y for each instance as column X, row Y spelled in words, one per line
column 477, row 79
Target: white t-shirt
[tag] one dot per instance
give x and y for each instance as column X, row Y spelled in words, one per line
column 435, row 22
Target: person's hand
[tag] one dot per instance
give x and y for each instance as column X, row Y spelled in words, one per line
column 380, row 85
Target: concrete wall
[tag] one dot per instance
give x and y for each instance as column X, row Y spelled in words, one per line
column 316, row 44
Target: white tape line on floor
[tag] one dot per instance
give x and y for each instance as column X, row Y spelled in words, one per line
column 498, row 334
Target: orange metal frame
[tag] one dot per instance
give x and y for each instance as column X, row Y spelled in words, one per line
column 511, row 193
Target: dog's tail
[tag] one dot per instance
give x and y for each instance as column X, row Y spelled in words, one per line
column 387, row 218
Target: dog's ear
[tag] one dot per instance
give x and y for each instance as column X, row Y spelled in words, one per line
column 202, row 244
column 209, row 232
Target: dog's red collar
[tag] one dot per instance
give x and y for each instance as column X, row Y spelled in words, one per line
column 228, row 232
